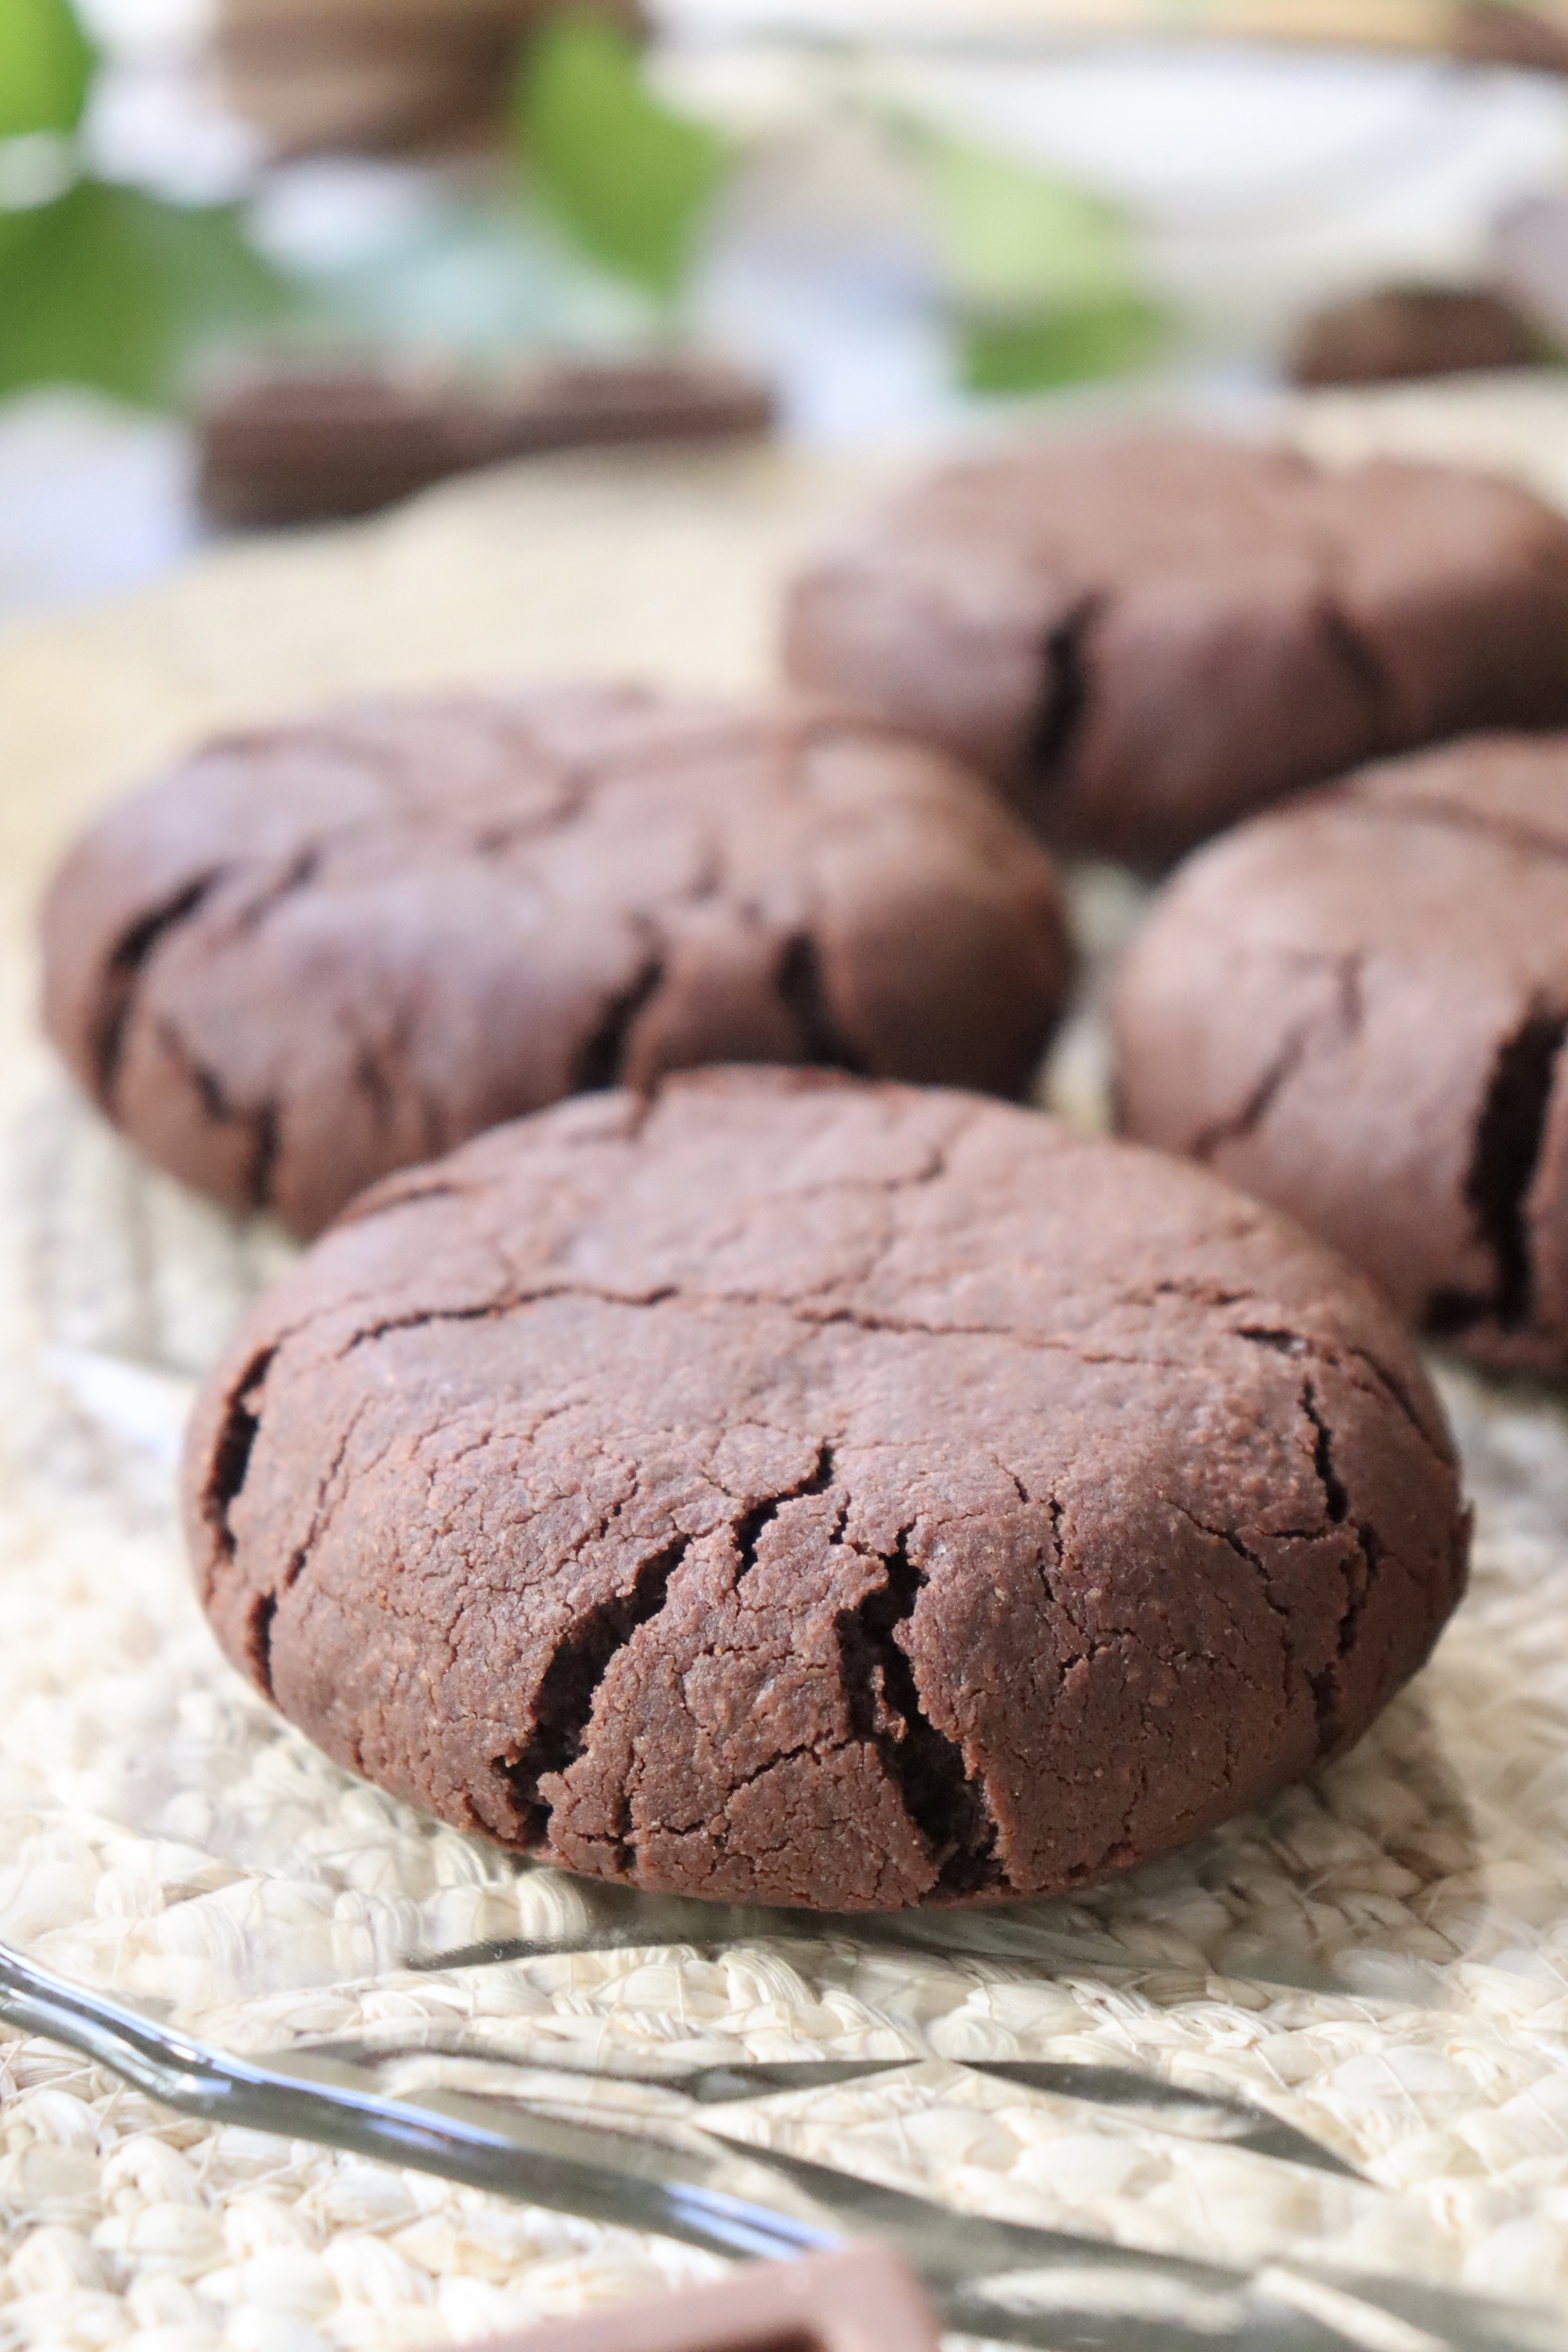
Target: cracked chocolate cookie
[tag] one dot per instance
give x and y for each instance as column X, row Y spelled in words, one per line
column 1143, row 638
column 320, row 952
column 794, row 1489
column 1356, row 1007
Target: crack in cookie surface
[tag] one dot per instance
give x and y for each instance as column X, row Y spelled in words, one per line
column 127, row 961
column 1509, row 1135
column 563, row 1703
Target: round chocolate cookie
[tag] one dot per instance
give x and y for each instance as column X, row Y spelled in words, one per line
column 1144, row 636
column 1356, row 1008
column 1403, row 332
column 318, row 952
column 794, row 1489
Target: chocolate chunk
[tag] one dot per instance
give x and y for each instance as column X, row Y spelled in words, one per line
column 792, row 1489
column 295, row 444
column 863, row 2300
column 1411, row 331
column 1143, row 638
column 318, row 952
column 1356, row 1009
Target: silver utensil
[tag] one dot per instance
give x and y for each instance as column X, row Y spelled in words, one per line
column 1088, row 2295
column 1166, row 2107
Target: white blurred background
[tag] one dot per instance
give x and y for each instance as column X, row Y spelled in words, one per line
column 1252, row 182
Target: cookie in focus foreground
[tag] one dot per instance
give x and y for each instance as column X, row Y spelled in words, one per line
column 1356, row 1008
column 798, row 1490
column 1144, row 636
column 321, row 950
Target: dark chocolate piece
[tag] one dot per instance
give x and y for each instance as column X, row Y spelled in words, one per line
column 295, row 443
column 318, row 952
column 790, row 1489
column 1355, row 1008
column 1144, row 636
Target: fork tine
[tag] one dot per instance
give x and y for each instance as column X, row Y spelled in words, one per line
column 1250, row 2127
column 1255, row 2128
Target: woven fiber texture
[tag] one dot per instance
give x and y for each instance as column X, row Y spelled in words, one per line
column 1382, row 1958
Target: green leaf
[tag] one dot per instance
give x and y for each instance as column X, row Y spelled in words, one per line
column 1013, row 239
column 112, row 287
column 1063, row 346
column 630, row 180
column 46, row 65
column 1042, row 276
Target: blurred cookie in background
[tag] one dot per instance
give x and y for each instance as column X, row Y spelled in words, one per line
column 282, row 441
column 376, row 74
column 1509, row 33
column 1141, row 636
column 1400, row 332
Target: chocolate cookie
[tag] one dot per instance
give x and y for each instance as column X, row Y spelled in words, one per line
column 1356, row 1007
column 1401, row 331
column 318, row 952
column 279, row 443
column 1145, row 636
column 800, row 1490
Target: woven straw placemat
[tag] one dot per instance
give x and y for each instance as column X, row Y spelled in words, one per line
column 1379, row 1957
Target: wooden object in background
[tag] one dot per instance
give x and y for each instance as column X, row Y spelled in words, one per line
column 1525, row 32
column 405, row 74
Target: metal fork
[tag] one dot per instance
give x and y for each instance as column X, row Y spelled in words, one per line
column 1084, row 2295
column 1215, row 2117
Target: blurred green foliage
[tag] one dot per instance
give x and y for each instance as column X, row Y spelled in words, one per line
column 628, row 178
column 1043, row 275
column 1068, row 346
column 115, row 287
column 104, row 285
column 112, row 287
column 1013, row 239
column 46, row 67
